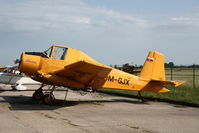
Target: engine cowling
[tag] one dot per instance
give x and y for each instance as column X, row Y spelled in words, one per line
column 29, row 64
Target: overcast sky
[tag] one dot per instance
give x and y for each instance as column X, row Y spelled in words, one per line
column 110, row 31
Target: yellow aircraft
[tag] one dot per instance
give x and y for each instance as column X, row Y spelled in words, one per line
column 68, row 67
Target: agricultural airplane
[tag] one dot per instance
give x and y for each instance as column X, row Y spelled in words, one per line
column 68, row 67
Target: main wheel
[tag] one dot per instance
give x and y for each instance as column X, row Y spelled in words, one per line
column 48, row 98
column 38, row 94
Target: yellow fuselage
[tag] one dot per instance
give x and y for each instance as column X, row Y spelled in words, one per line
column 47, row 68
column 34, row 66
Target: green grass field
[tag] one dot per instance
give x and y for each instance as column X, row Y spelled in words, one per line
column 184, row 74
column 185, row 93
column 182, row 94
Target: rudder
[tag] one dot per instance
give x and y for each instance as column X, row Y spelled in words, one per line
column 153, row 68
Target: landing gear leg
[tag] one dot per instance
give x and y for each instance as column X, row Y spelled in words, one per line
column 38, row 94
column 65, row 95
column 140, row 97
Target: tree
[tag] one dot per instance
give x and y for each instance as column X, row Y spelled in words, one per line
column 171, row 64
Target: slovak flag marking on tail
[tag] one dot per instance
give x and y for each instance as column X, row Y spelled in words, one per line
column 150, row 59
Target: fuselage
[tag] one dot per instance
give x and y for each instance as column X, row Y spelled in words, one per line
column 41, row 66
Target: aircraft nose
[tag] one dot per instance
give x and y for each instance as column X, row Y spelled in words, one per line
column 29, row 64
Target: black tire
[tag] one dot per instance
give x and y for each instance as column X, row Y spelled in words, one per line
column 48, row 98
column 37, row 95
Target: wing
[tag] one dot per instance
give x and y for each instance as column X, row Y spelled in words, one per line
column 86, row 73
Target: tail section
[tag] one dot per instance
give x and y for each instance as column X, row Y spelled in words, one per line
column 153, row 68
column 154, row 71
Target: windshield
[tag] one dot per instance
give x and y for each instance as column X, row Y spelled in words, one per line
column 59, row 53
column 48, row 52
column 56, row 52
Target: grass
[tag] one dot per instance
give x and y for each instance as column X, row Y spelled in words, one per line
column 182, row 94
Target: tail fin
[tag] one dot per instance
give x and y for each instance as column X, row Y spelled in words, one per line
column 153, row 68
column 154, row 71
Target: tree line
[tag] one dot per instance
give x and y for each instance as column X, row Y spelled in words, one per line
column 137, row 68
column 172, row 65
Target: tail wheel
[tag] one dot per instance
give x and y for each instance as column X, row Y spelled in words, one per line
column 37, row 95
column 48, row 98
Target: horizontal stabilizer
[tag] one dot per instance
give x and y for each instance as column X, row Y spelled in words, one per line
column 158, row 86
column 166, row 82
column 155, row 87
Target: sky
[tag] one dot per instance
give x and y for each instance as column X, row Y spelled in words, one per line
column 110, row 31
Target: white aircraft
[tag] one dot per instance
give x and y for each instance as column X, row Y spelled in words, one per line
column 17, row 80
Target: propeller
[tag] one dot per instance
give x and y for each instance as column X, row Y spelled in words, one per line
column 17, row 61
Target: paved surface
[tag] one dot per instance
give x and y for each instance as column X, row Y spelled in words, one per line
column 96, row 114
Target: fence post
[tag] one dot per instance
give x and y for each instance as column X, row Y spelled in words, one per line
column 194, row 81
column 171, row 72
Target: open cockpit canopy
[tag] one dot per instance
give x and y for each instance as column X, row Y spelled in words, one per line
column 54, row 52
